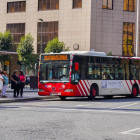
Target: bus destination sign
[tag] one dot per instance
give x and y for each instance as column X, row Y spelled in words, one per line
column 55, row 57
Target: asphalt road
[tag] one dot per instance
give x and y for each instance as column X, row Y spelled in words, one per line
column 73, row 119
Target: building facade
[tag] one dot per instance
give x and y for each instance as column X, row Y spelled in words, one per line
column 113, row 26
column 102, row 25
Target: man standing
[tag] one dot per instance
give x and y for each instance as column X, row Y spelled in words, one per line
column 5, row 78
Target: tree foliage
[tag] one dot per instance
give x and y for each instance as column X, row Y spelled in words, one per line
column 6, row 40
column 109, row 54
column 55, row 46
column 25, row 47
column 25, row 52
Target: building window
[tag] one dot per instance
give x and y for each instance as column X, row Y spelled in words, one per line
column 13, row 7
column 49, row 32
column 128, row 39
column 77, row 3
column 107, row 4
column 48, row 5
column 18, row 31
column 129, row 5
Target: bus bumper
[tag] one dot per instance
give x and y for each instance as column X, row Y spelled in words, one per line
column 56, row 94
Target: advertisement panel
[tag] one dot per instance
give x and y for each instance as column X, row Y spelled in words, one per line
column 111, row 84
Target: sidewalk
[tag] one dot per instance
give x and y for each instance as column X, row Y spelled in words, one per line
column 26, row 89
column 27, row 96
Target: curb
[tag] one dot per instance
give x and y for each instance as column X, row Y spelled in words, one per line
column 27, row 99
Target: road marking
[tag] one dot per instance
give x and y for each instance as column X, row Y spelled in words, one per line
column 82, row 110
column 107, row 109
column 82, row 105
column 124, row 106
column 129, row 131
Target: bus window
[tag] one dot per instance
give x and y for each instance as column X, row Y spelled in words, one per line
column 134, row 72
column 42, row 73
column 107, row 71
column 82, row 70
column 139, row 74
column 93, row 70
column 127, row 73
column 83, row 74
column 54, row 71
column 119, row 72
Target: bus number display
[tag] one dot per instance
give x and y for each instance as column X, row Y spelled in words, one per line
column 55, row 57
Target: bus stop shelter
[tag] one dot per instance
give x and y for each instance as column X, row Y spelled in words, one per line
column 4, row 52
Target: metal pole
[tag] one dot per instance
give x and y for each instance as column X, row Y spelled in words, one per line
column 137, row 29
column 41, row 36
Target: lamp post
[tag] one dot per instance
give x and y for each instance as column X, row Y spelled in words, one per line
column 41, row 33
column 137, row 28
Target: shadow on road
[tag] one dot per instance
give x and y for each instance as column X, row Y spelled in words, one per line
column 98, row 99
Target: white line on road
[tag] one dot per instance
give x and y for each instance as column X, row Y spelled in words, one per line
column 124, row 106
column 129, row 131
column 88, row 104
column 107, row 109
column 81, row 105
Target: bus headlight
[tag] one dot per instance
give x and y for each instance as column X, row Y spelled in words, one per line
column 68, row 90
column 40, row 90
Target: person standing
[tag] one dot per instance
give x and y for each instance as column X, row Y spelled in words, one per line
column 15, row 83
column 22, row 82
column 5, row 78
column 1, row 81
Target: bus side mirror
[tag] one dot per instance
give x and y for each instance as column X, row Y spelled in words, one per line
column 76, row 66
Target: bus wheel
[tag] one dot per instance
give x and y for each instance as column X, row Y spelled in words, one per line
column 62, row 97
column 93, row 92
column 109, row 96
column 134, row 91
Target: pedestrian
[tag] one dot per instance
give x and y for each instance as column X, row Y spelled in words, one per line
column 1, row 81
column 15, row 83
column 22, row 82
column 5, row 78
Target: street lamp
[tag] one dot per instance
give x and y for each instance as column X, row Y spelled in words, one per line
column 41, row 33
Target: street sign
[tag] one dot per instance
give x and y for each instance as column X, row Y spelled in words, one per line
column 7, row 63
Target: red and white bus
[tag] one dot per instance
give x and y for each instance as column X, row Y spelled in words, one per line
column 88, row 74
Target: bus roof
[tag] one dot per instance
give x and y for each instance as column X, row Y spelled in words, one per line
column 90, row 53
column 87, row 53
column 84, row 53
column 138, row 58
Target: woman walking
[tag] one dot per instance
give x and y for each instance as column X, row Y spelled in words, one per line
column 22, row 82
column 15, row 83
column 5, row 78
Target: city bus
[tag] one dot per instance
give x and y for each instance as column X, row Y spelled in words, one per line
column 88, row 74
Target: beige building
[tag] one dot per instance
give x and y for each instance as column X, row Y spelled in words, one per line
column 102, row 25
column 73, row 24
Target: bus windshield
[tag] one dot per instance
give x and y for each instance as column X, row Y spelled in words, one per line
column 54, row 71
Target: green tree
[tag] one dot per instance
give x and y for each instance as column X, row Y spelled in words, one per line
column 25, row 52
column 109, row 54
column 6, row 40
column 55, row 46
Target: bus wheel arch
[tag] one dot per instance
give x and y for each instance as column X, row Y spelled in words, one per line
column 135, row 90
column 94, row 91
